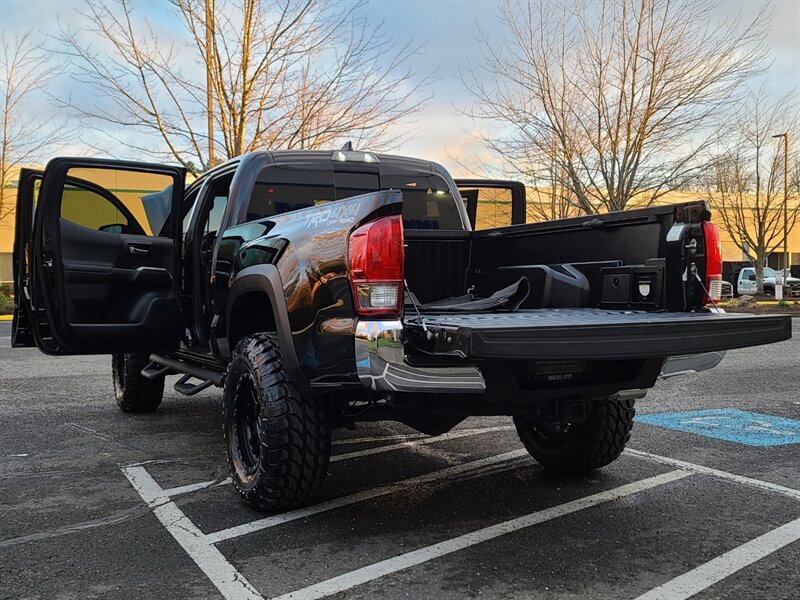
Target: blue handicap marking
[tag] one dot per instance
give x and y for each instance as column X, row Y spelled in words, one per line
column 730, row 424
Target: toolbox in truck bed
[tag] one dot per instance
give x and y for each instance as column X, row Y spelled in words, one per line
column 591, row 333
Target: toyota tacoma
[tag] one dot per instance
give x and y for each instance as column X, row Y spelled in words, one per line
column 322, row 289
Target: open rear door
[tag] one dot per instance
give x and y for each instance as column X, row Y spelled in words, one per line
column 103, row 270
column 27, row 191
column 493, row 203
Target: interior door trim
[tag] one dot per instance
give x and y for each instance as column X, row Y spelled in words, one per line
column 47, row 260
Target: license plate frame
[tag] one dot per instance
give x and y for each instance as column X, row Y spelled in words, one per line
column 558, row 371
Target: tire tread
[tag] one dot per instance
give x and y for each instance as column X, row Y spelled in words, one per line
column 589, row 445
column 138, row 393
column 295, row 432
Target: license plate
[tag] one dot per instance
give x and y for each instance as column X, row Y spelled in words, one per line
column 557, row 371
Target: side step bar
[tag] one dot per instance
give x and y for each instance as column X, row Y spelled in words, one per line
column 162, row 365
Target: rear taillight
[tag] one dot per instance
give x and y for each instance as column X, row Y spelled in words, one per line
column 713, row 261
column 376, row 267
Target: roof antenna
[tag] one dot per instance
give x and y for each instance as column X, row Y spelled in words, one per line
column 348, row 147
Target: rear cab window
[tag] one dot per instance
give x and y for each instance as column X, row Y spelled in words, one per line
column 282, row 188
column 428, row 201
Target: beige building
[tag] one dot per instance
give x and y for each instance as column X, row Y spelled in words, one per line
column 81, row 207
column 492, row 210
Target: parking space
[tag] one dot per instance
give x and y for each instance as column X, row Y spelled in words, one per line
column 95, row 503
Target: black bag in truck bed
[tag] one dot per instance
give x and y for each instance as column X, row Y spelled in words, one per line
column 591, row 333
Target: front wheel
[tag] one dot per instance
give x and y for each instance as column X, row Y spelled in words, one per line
column 579, row 447
column 278, row 443
column 134, row 392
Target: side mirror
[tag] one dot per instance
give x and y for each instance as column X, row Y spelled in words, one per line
column 751, row 277
column 113, row 228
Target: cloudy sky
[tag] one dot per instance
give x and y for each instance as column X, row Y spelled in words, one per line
column 449, row 29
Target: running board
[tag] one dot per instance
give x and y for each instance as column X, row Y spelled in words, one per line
column 188, row 389
column 162, row 365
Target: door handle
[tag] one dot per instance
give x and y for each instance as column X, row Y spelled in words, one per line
column 141, row 250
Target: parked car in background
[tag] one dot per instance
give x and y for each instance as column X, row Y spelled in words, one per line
column 748, row 284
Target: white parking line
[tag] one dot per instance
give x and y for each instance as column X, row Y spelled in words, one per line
column 756, row 483
column 380, row 438
column 403, row 436
column 225, row 577
column 725, row 565
column 483, row 466
column 458, row 433
column 195, row 487
column 363, row 575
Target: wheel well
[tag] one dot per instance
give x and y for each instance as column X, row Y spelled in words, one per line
column 251, row 312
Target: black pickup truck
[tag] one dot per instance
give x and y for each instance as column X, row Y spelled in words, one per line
column 320, row 289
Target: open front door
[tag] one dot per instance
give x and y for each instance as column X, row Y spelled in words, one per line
column 104, row 271
column 493, row 203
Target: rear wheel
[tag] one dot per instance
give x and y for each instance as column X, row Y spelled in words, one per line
column 278, row 443
column 134, row 392
column 579, row 447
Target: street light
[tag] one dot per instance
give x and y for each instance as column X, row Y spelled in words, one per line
column 785, row 261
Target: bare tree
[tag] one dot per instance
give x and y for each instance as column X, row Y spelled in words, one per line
column 746, row 182
column 283, row 74
column 25, row 70
column 549, row 198
column 617, row 100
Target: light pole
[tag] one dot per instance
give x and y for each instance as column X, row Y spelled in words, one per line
column 210, row 80
column 785, row 137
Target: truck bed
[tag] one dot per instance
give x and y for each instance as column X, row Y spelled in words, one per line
column 592, row 333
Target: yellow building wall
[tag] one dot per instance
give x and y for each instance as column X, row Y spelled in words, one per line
column 493, row 209
column 83, row 207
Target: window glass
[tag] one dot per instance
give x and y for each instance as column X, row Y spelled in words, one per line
column 355, row 184
column 427, row 201
column 284, row 188
column 493, row 206
column 91, row 209
column 215, row 215
column 213, row 207
column 116, row 201
column 189, row 204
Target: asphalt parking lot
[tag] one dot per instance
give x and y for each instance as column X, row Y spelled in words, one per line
column 98, row 504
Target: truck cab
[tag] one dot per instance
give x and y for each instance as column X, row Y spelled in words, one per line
column 320, row 289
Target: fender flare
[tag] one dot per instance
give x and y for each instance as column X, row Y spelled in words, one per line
column 267, row 279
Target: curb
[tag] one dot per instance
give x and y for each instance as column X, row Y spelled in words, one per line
column 6, row 317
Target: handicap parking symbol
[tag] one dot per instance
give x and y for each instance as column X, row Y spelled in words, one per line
column 730, row 424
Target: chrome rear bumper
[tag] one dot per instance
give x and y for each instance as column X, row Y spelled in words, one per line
column 381, row 365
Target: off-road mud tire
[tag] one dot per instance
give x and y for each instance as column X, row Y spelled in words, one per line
column 278, row 443
column 134, row 392
column 580, row 447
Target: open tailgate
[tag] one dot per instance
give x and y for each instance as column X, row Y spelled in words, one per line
column 591, row 333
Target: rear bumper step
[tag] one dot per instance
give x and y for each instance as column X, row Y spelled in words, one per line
column 593, row 333
column 382, row 367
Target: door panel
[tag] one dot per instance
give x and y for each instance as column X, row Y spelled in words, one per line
column 106, row 282
column 493, row 203
column 106, row 256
